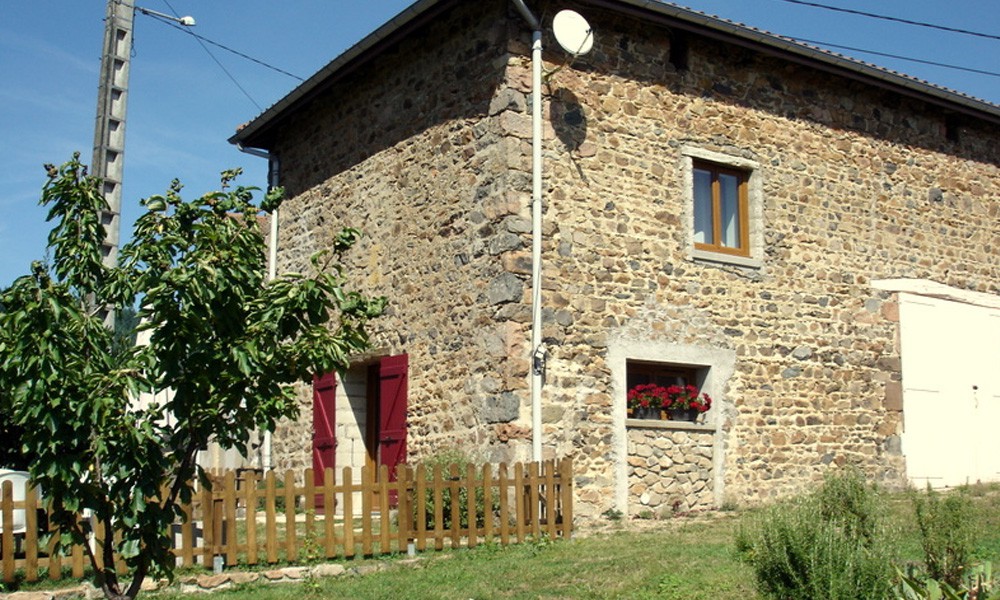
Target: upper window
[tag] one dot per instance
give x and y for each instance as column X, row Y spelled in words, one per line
column 724, row 207
column 721, row 211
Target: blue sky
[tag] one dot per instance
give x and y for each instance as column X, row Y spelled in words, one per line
column 183, row 106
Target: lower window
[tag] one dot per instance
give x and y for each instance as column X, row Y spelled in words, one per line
column 665, row 391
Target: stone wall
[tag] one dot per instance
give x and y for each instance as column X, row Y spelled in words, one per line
column 409, row 149
column 427, row 150
column 670, row 469
column 858, row 184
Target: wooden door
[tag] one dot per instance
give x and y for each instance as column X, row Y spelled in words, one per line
column 392, row 392
column 324, row 437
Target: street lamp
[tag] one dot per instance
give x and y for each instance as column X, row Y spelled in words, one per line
column 187, row 21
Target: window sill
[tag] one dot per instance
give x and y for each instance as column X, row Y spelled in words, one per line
column 729, row 259
column 671, row 425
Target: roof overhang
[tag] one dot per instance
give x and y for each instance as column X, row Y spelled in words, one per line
column 255, row 133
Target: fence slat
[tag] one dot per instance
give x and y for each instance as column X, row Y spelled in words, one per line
column 31, row 533
column 207, row 506
column 471, row 506
column 438, row 508
column 76, row 557
column 329, row 511
column 504, row 492
column 55, row 558
column 270, row 518
column 421, row 512
column 404, row 511
column 367, row 489
column 250, row 485
column 230, row 502
column 454, row 483
column 383, row 509
column 487, row 478
column 348, row 478
column 519, row 501
column 187, row 534
column 309, row 487
column 534, row 512
column 7, row 518
column 291, row 550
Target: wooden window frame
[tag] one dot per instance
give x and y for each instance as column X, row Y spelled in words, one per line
column 743, row 208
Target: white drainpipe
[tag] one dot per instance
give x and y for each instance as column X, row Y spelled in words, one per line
column 537, row 349
column 272, row 267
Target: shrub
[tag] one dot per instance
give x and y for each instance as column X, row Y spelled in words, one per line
column 947, row 534
column 445, row 459
column 828, row 545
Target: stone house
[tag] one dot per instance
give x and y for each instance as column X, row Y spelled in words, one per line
column 812, row 240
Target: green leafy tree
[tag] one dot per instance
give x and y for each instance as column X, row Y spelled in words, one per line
column 227, row 342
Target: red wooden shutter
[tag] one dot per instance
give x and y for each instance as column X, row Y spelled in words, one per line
column 393, row 380
column 324, row 438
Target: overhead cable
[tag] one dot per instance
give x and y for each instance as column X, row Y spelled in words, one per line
column 896, row 19
column 898, row 57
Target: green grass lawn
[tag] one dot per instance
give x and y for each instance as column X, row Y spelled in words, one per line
column 686, row 559
column 683, row 558
column 689, row 558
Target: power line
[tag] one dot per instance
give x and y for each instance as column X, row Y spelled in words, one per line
column 212, row 56
column 896, row 19
column 236, row 52
column 899, row 57
column 203, row 40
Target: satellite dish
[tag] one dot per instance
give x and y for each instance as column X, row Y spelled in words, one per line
column 573, row 32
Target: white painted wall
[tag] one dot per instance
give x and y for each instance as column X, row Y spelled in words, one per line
column 950, row 350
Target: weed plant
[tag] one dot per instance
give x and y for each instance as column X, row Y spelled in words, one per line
column 829, row 545
column 947, row 532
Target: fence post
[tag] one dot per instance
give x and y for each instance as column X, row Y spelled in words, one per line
column 504, row 491
column 347, row 476
column 519, row 509
column 551, row 499
column 438, row 508
column 250, row 487
column 566, row 479
column 207, row 524
column 471, row 505
column 7, row 518
column 291, row 549
column 487, row 480
column 367, row 489
column 421, row 511
column 329, row 512
column 31, row 533
column 383, row 509
column 404, row 510
column 456, row 509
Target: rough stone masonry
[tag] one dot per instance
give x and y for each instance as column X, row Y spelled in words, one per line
column 426, row 148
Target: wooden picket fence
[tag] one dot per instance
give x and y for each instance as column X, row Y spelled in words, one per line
column 246, row 519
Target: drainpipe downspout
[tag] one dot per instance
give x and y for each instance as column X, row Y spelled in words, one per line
column 272, row 266
column 537, row 349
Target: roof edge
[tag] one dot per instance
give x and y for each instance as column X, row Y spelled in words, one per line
column 693, row 20
column 407, row 16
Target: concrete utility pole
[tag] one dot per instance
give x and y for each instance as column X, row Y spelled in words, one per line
column 108, row 161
